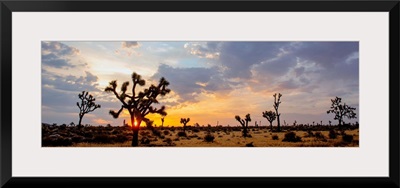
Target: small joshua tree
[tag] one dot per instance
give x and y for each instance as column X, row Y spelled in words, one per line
column 244, row 122
column 138, row 104
column 277, row 102
column 87, row 105
column 271, row 116
column 184, row 121
column 162, row 120
column 341, row 110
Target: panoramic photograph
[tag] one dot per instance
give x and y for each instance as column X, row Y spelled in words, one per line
column 200, row 93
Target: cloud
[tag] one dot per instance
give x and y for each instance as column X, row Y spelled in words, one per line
column 70, row 83
column 60, row 94
column 188, row 83
column 326, row 54
column 130, row 44
column 203, row 49
column 58, row 55
column 238, row 57
column 128, row 48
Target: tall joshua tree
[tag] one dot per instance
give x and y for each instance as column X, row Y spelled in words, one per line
column 270, row 115
column 341, row 110
column 244, row 122
column 184, row 121
column 87, row 105
column 277, row 102
column 138, row 104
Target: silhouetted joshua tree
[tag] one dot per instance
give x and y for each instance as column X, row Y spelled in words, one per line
column 87, row 105
column 277, row 102
column 162, row 120
column 184, row 121
column 244, row 122
column 138, row 104
column 341, row 110
column 271, row 116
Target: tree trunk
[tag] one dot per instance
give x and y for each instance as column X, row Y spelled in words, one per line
column 135, row 129
column 270, row 124
column 279, row 123
column 184, row 127
column 135, row 139
column 245, row 129
column 80, row 121
column 340, row 122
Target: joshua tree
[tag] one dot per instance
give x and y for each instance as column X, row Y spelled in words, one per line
column 270, row 115
column 162, row 120
column 184, row 121
column 244, row 122
column 341, row 110
column 277, row 102
column 87, row 105
column 138, row 104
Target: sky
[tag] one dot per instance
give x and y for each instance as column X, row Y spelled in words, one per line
column 210, row 81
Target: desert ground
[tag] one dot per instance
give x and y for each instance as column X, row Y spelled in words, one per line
column 215, row 136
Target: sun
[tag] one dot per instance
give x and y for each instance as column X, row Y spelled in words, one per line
column 135, row 123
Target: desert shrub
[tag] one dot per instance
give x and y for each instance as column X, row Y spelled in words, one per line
column 88, row 134
column 275, row 137
column 78, row 139
column 194, row 136
column 332, row 134
column 121, row 138
column 209, row 138
column 56, row 141
column 145, row 140
column 156, row 133
column 182, row 134
column 64, row 141
column 339, row 144
column 320, row 136
column 101, row 138
column 144, row 133
column 168, row 141
column 196, row 130
column 166, row 132
column 309, row 134
column 176, row 139
column 347, row 138
column 250, row 144
column 291, row 137
column 115, row 131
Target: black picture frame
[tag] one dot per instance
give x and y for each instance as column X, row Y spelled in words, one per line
column 7, row 7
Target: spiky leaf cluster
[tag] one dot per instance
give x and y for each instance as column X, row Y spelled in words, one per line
column 139, row 104
column 87, row 103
